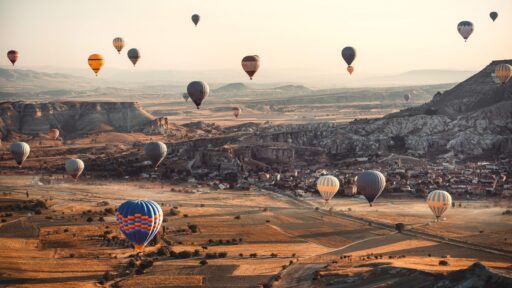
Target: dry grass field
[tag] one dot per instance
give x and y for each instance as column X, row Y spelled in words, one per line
column 60, row 247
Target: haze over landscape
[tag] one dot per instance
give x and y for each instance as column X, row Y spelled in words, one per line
column 239, row 144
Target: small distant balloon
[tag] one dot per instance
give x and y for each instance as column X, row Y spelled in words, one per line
column 13, row 56
column 198, row 91
column 20, row 151
column 195, row 19
column 53, row 133
column 327, row 186
column 503, row 73
column 74, row 167
column 493, row 15
column 118, row 44
column 155, row 152
column 439, row 201
column 407, row 97
column 350, row 70
column 95, row 62
column 465, row 29
column 237, row 111
column 134, row 55
column 349, row 55
column 370, row 184
column 251, row 64
column 185, row 96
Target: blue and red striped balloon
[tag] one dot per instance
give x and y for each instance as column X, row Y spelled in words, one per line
column 139, row 220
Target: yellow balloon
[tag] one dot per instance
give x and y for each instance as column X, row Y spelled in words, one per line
column 95, row 62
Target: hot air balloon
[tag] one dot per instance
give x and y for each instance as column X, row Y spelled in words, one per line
column 251, row 64
column 198, row 91
column 118, row 44
column 236, row 111
column 95, row 62
column 139, row 221
column 465, row 29
column 350, row 70
column 53, row 133
column 13, row 56
column 503, row 73
column 349, row 54
column 327, row 186
column 155, row 152
column 439, row 201
column 493, row 15
column 20, row 151
column 185, row 96
column 134, row 55
column 370, row 184
column 74, row 167
column 195, row 19
column 407, row 97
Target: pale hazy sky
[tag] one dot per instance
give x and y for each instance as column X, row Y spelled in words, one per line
column 390, row 36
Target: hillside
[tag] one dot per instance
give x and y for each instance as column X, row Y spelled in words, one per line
column 72, row 118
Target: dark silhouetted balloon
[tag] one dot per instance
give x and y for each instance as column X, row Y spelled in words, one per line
column 195, row 19
column 370, row 184
column 251, row 64
column 134, row 55
column 13, row 56
column 493, row 15
column 198, row 91
column 465, row 29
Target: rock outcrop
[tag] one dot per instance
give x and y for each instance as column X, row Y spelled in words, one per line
column 74, row 119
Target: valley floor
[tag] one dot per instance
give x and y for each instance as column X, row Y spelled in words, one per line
column 60, row 247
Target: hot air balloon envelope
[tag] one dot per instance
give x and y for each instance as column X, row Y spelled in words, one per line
column 139, row 221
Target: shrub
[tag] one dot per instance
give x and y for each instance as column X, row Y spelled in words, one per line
column 101, row 219
column 72, row 255
column 109, row 210
column 184, row 254
column 66, row 230
column 202, row 205
column 222, row 254
column 174, row 212
column 164, row 251
column 273, row 255
column 317, row 208
column 294, row 254
column 237, row 217
column 507, row 212
column 203, row 262
column 38, row 211
column 196, row 253
column 89, row 219
column 241, row 255
column 267, row 221
column 443, row 263
column 253, row 255
column 193, row 228
column 399, row 227
column 185, row 215
column 211, row 255
column 107, row 276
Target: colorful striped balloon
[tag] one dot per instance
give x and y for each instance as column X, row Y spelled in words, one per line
column 503, row 72
column 251, row 64
column 439, row 201
column 328, row 186
column 370, row 184
column 139, row 221
column 118, row 43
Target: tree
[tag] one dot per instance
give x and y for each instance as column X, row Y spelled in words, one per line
column 399, row 227
column 203, row 262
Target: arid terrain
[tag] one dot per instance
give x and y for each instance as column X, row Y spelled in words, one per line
column 61, row 246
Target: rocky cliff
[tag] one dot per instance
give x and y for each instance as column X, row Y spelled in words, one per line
column 472, row 118
column 74, row 119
